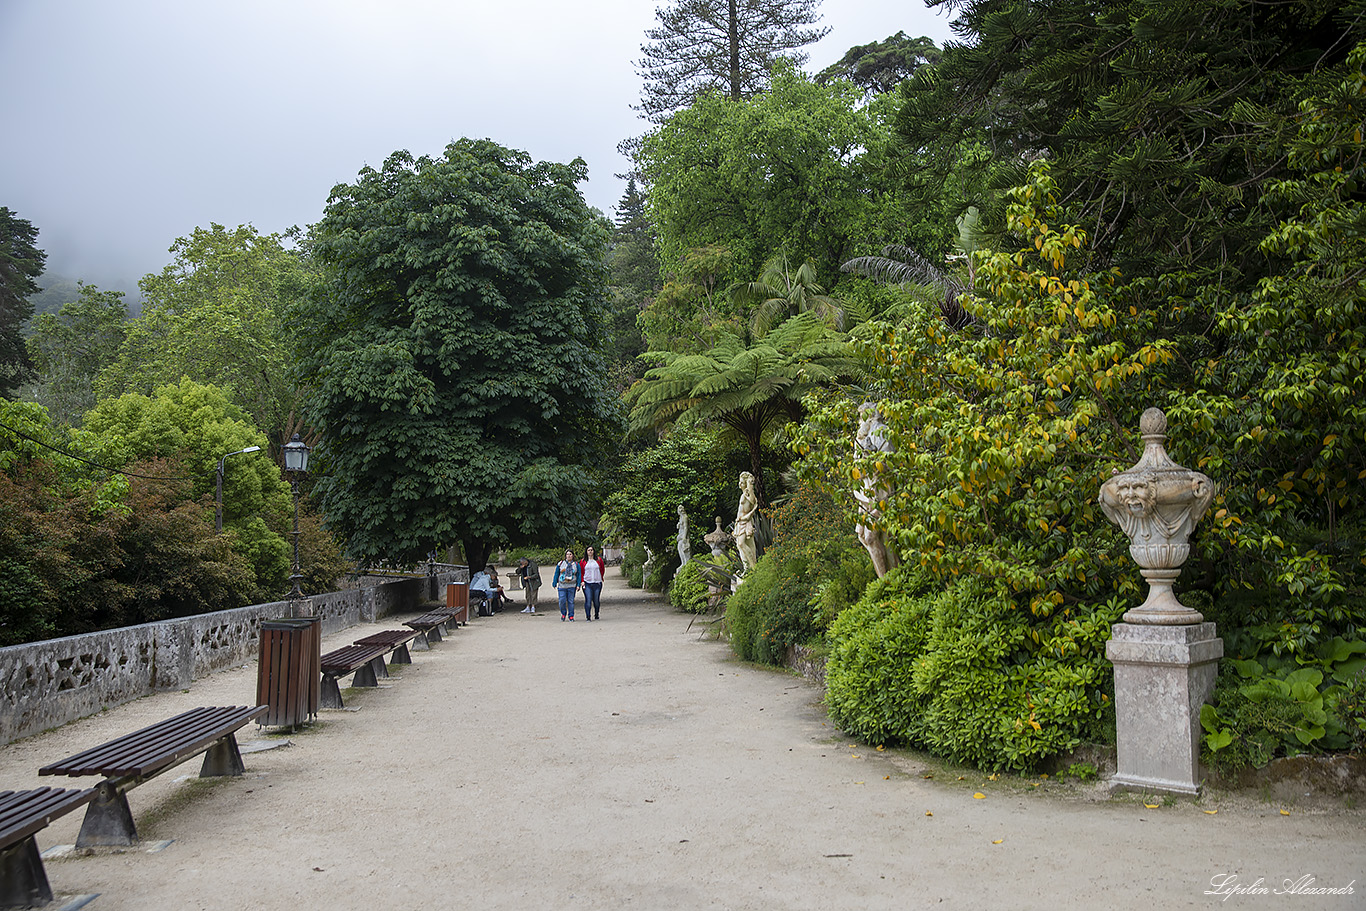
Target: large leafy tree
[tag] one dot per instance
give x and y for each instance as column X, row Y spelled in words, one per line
column 786, row 170
column 70, row 347
column 453, row 357
column 727, row 46
column 215, row 315
column 21, row 262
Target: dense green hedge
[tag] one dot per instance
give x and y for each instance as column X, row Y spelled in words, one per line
column 968, row 677
column 813, row 569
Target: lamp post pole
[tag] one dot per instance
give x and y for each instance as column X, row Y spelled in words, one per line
column 296, row 464
column 218, row 492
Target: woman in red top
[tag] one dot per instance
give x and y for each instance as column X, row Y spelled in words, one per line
column 591, row 569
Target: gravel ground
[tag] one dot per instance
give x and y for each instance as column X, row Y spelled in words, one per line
column 529, row 763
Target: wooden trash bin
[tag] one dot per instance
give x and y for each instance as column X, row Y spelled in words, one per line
column 458, row 600
column 289, row 671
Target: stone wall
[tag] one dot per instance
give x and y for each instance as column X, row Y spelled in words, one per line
column 46, row 684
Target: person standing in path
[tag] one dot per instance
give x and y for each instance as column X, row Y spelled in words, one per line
column 530, row 575
column 567, row 580
column 591, row 568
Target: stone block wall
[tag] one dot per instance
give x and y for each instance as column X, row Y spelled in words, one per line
column 46, row 684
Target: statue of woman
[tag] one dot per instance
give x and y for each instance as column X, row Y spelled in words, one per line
column 871, row 437
column 744, row 523
column 684, row 545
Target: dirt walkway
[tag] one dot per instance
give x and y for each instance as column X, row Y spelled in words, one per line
column 532, row 764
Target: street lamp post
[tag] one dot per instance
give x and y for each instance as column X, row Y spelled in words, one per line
column 218, row 494
column 296, row 464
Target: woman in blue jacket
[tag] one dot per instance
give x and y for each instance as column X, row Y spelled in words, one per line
column 568, row 578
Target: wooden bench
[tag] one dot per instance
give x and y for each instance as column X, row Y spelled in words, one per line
column 23, row 882
column 430, row 626
column 392, row 640
column 134, row 758
column 362, row 659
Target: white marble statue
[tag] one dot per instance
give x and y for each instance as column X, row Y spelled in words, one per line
column 871, row 438
column 684, row 545
column 745, row 515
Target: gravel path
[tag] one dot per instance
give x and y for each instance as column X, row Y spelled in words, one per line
column 526, row 763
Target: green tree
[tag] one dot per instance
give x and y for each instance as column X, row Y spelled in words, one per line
column 83, row 550
column 69, row 348
column 453, row 356
column 195, row 425
column 692, row 307
column 786, row 170
column 215, row 315
column 880, row 66
column 1151, row 112
column 634, row 276
column 750, row 388
column 689, row 466
column 21, row 262
column 725, row 46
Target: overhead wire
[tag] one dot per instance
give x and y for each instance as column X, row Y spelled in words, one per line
column 128, row 474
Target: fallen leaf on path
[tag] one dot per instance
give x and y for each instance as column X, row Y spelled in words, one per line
column 979, row 796
column 998, row 841
column 1151, row 806
column 1210, row 812
column 962, row 778
column 881, row 748
column 1036, row 784
column 928, row 813
column 926, row 776
column 886, row 778
column 1285, row 812
column 993, row 777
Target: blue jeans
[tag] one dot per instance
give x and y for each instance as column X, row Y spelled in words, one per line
column 567, row 602
column 592, row 599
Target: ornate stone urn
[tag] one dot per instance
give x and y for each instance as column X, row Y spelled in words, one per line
column 1157, row 503
column 719, row 539
column 1166, row 658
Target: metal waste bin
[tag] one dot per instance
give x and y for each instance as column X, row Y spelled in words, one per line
column 288, row 672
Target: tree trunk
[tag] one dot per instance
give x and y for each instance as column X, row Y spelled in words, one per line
column 476, row 553
column 733, row 24
column 756, row 468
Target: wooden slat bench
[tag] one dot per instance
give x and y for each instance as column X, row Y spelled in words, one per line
column 393, row 640
column 431, row 627
column 23, row 882
column 338, row 663
column 134, row 758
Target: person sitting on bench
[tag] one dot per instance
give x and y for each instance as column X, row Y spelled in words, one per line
column 485, row 584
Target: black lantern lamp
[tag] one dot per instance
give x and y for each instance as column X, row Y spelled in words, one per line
column 296, row 464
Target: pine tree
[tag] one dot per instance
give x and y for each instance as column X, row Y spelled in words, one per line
column 20, row 265
column 722, row 45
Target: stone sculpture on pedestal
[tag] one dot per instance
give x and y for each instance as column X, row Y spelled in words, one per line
column 1165, row 657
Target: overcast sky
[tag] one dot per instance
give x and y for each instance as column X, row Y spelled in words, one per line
column 127, row 123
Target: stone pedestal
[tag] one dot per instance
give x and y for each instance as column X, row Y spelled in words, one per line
column 1163, row 675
